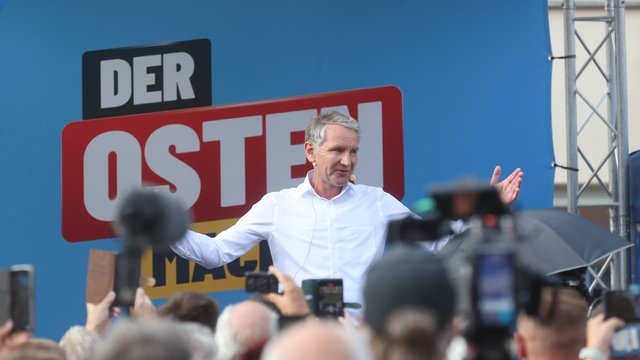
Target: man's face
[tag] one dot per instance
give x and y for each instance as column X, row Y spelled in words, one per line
column 336, row 158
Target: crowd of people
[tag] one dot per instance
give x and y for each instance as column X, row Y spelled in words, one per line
column 410, row 314
column 326, row 228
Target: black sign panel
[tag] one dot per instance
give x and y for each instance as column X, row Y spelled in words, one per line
column 148, row 78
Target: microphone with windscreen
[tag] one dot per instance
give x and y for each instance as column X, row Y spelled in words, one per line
column 145, row 218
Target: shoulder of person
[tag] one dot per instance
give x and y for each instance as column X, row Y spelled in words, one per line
column 275, row 195
column 362, row 188
column 376, row 191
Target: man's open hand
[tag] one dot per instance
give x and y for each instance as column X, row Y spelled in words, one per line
column 509, row 188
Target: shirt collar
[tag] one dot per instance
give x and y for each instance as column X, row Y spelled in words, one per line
column 306, row 187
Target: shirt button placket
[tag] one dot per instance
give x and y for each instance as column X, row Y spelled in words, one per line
column 330, row 223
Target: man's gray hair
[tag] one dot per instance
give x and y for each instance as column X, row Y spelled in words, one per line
column 232, row 340
column 200, row 340
column 316, row 129
column 80, row 343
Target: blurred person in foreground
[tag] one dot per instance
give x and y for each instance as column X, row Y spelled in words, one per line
column 558, row 331
column 409, row 306
column 318, row 340
column 315, row 340
column 190, row 306
column 157, row 339
column 81, row 342
column 243, row 329
column 327, row 227
column 37, row 349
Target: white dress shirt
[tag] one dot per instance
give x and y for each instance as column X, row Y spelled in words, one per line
column 310, row 237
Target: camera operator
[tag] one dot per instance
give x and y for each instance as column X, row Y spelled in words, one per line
column 494, row 286
column 327, row 227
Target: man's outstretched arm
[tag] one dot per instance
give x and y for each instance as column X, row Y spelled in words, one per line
column 232, row 243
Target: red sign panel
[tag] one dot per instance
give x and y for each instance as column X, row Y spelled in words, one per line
column 217, row 160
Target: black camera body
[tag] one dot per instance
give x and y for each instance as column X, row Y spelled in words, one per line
column 492, row 285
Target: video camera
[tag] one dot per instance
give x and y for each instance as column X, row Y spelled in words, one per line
column 492, row 284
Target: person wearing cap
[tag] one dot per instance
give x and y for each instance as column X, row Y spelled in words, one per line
column 409, row 307
column 327, row 227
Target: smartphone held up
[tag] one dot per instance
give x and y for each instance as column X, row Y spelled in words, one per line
column 261, row 282
column 17, row 297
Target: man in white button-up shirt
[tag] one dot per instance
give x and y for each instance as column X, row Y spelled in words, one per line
column 326, row 227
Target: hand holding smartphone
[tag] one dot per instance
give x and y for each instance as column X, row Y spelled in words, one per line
column 626, row 340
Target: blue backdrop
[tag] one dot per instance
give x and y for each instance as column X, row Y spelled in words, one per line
column 474, row 76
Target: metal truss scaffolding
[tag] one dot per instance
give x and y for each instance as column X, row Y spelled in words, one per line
column 614, row 72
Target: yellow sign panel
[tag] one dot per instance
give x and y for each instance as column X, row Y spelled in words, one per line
column 174, row 274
